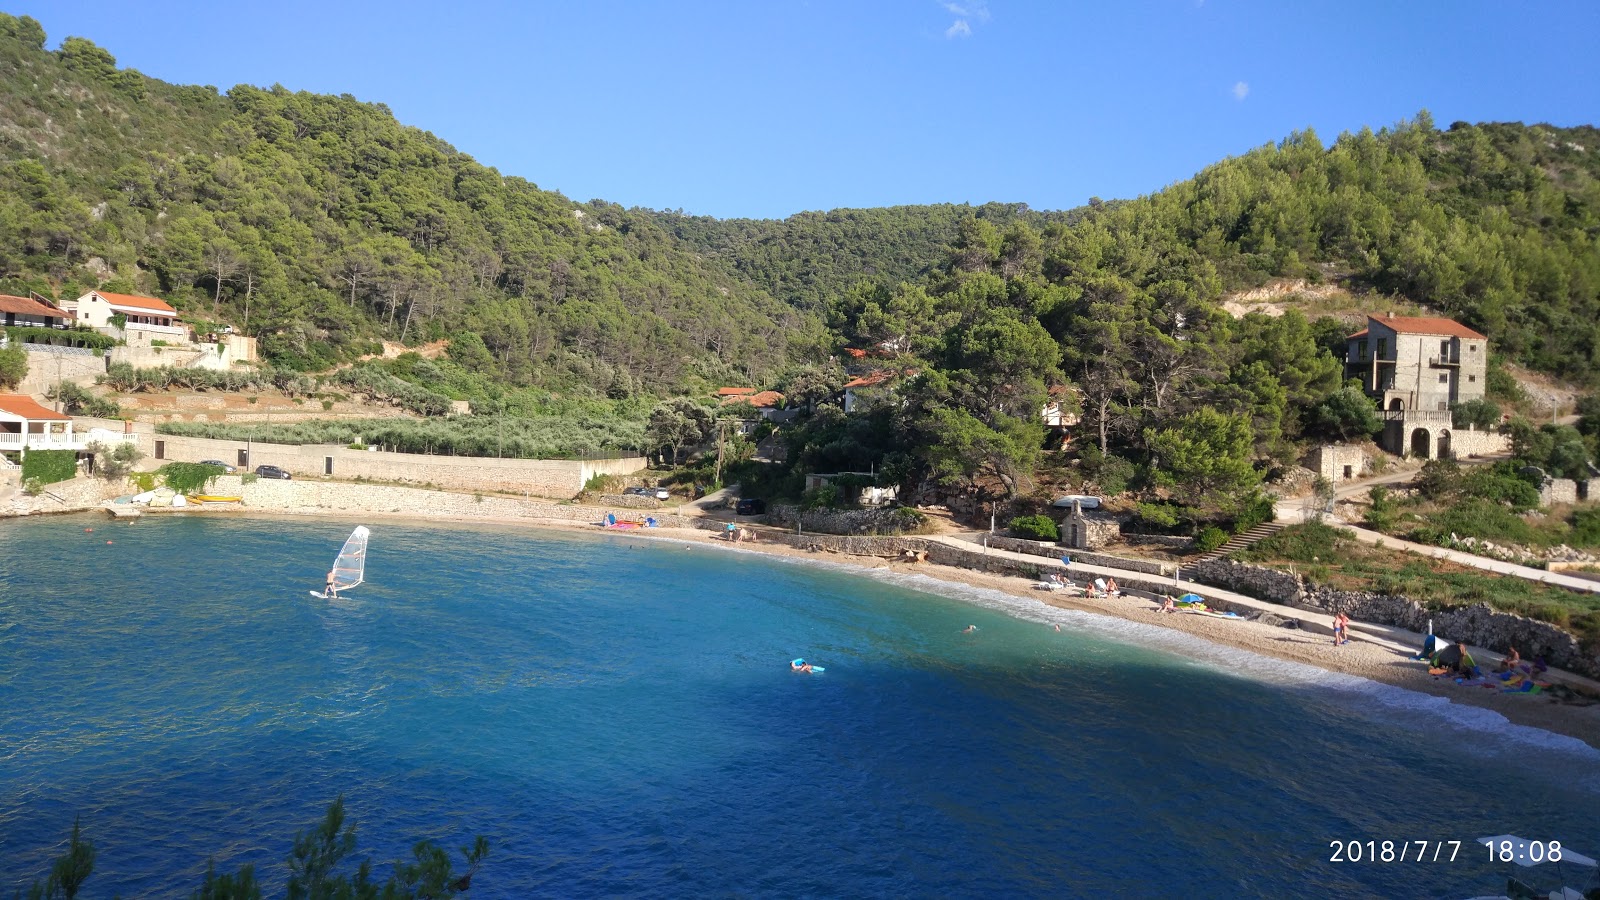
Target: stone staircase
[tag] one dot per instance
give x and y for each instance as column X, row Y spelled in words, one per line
column 1241, row 541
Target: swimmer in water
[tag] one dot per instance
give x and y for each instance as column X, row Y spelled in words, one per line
column 800, row 665
column 969, row 629
column 1058, row 627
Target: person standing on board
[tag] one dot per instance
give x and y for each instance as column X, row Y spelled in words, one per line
column 329, row 589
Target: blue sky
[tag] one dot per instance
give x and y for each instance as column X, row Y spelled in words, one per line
column 769, row 107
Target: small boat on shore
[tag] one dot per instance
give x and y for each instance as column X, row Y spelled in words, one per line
column 213, row 498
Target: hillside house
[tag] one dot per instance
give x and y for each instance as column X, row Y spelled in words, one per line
column 27, row 311
column 857, row 388
column 25, row 425
column 858, row 493
column 97, row 309
column 1418, row 368
column 768, row 405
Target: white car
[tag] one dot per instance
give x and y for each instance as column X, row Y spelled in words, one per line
column 663, row 494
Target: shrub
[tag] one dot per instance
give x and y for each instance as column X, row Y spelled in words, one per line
column 49, row 466
column 1384, row 511
column 13, row 366
column 186, row 478
column 60, row 337
column 1476, row 413
column 1160, row 516
column 1257, row 510
column 114, row 462
column 1210, row 538
column 1035, row 528
column 1586, row 527
column 906, row 520
column 145, row 481
column 1299, row 543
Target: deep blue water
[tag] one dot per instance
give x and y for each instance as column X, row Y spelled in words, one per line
column 618, row 717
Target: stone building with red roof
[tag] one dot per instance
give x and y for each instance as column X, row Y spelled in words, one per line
column 1418, row 368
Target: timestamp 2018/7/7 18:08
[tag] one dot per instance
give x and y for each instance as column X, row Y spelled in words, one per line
column 1435, row 851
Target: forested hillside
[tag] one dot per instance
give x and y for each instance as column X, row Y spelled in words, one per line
column 322, row 224
column 1495, row 225
column 810, row 258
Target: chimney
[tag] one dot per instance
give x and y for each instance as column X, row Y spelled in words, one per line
column 1391, row 313
column 127, row 426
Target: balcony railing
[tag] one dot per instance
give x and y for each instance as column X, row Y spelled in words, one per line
column 158, row 329
column 14, row 441
column 1426, row 416
column 1440, row 362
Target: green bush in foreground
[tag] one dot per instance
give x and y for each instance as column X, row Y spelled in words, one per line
column 314, row 870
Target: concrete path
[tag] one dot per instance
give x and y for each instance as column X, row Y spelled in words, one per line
column 1389, row 637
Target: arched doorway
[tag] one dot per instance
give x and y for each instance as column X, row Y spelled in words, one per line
column 1397, row 405
column 1419, row 443
column 1443, row 445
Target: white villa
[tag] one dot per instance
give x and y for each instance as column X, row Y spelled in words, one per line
column 25, row 425
column 97, row 308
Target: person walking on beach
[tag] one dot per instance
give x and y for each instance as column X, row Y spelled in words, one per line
column 1341, row 629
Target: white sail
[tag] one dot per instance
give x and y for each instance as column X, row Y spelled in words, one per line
column 350, row 569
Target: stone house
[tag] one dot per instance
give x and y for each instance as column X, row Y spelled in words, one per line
column 1089, row 529
column 1418, row 368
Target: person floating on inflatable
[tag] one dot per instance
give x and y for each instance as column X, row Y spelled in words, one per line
column 801, row 665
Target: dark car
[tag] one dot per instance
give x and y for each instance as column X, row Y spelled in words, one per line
column 218, row 463
column 272, row 472
column 750, row 506
column 636, row 492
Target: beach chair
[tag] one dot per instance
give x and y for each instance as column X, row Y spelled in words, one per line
column 1049, row 583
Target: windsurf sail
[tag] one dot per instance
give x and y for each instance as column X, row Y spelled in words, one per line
column 350, row 569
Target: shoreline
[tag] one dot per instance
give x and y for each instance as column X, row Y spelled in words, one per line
column 1359, row 658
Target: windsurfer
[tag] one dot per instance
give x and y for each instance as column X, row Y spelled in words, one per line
column 330, row 589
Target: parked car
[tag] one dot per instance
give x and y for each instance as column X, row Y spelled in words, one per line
column 636, row 492
column 1083, row 500
column 663, row 494
column 272, row 472
column 750, row 506
column 219, row 464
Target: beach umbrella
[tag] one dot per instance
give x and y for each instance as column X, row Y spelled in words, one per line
column 1191, row 598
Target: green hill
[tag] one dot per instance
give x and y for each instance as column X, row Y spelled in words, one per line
column 322, row 224
column 811, row 258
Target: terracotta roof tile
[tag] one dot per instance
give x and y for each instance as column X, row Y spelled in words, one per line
column 1426, row 325
column 26, row 407
column 734, row 391
column 29, row 307
column 136, row 302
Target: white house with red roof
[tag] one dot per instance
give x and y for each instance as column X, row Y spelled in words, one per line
column 25, row 425
column 1418, row 368
column 96, row 309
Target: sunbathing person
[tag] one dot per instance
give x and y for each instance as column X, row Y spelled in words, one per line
column 1510, row 663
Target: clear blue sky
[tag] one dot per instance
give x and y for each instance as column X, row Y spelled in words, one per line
column 769, row 107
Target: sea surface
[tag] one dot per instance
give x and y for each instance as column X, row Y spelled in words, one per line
column 618, row 717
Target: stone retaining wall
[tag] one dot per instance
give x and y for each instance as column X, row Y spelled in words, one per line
column 1477, row 624
column 554, row 478
column 47, row 365
column 1055, row 551
column 834, row 521
column 334, row 496
column 73, row 495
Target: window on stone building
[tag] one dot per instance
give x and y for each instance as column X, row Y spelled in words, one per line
column 1472, row 379
column 1444, row 377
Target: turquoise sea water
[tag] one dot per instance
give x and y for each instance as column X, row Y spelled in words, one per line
column 618, row 717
